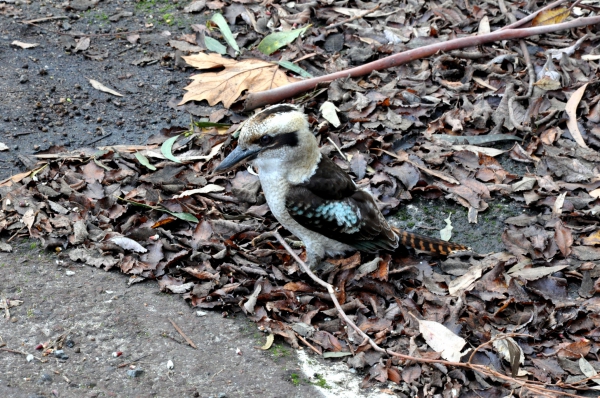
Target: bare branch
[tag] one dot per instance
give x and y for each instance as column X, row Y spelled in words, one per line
column 256, row 100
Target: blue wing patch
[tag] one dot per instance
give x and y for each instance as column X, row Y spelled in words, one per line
column 342, row 213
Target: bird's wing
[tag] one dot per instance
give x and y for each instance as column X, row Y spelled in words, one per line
column 329, row 203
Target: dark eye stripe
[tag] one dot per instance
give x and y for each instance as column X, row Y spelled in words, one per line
column 278, row 141
column 286, row 139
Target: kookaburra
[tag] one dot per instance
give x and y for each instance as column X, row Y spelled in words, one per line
column 312, row 196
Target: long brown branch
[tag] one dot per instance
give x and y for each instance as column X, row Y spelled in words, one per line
column 262, row 98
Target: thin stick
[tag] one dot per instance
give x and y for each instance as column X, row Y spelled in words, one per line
column 134, row 361
column 308, row 344
column 86, row 34
column 189, row 341
column 33, row 21
column 256, row 100
column 478, row 368
column 354, row 18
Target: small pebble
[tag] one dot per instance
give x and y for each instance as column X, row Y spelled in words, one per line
column 135, row 372
column 60, row 354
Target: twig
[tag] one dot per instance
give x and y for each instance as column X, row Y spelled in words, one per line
column 547, row 117
column 34, row 21
column 15, row 234
column 21, row 353
column 213, row 376
column 478, row 368
column 189, row 341
column 262, row 98
column 87, row 34
column 134, row 361
column 99, row 138
column 338, row 148
column 308, row 344
column 354, row 18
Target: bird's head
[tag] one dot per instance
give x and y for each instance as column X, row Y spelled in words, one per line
column 275, row 139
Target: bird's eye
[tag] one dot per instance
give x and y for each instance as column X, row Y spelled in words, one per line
column 266, row 140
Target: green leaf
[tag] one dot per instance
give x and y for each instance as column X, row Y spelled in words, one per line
column 105, row 167
column 144, row 161
column 295, row 68
column 167, row 149
column 214, row 45
column 225, row 31
column 276, row 40
column 183, row 216
column 203, row 124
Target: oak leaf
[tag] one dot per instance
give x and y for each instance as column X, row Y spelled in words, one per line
column 228, row 84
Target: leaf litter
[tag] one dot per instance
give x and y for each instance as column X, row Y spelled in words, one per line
column 530, row 310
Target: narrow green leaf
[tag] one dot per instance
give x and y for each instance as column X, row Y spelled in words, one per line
column 183, row 216
column 203, row 124
column 295, row 68
column 275, row 41
column 144, row 161
column 225, row 31
column 99, row 163
column 167, row 149
column 214, row 45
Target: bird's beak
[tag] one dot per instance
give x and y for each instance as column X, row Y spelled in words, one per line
column 237, row 156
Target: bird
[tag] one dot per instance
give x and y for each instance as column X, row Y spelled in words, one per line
column 311, row 196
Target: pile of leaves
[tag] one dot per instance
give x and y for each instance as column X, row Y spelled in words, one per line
column 426, row 128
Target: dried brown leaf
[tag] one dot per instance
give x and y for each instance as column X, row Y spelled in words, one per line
column 551, row 17
column 227, row 85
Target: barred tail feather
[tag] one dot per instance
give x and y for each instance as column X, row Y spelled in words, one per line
column 428, row 244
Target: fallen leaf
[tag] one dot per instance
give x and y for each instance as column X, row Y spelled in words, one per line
column 167, row 149
column 219, row 20
column 588, row 370
column 531, row 274
column 214, row 45
column 23, row 44
column 227, row 85
column 511, row 351
column 128, row 244
column 571, row 109
column 144, row 161
column 551, row 17
column 269, row 342
column 101, row 87
column 275, row 41
column 484, row 26
column 442, row 340
column 82, row 45
column 195, row 6
column 205, row 189
column 328, row 111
